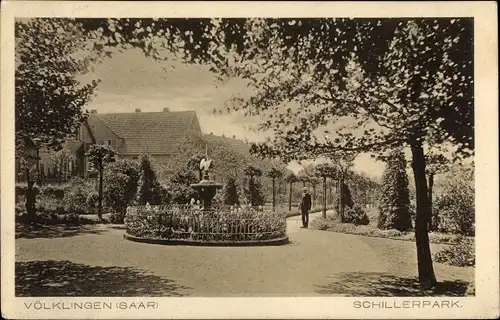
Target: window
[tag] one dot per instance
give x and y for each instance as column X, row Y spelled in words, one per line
column 107, row 142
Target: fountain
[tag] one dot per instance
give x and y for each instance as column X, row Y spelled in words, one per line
column 173, row 224
column 206, row 188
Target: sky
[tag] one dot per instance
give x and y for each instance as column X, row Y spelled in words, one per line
column 130, row 80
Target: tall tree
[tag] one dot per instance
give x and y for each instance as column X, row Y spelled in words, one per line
column 274, row 173
column 389, row 77
column 48, row 97
column 325, row 171
column 291, row 178
column 99, row 156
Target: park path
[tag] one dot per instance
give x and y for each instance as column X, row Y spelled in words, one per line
column 101, row 262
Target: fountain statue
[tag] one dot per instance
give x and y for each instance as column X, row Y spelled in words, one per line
column 206, row 188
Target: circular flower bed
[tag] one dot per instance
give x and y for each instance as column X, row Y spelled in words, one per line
column 189, row 224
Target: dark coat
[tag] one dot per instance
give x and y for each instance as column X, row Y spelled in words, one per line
column 305, row 203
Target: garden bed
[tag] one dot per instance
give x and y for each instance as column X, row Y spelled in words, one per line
column 189, row 225
column 373, row 231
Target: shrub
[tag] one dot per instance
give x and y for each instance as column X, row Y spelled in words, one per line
column 75, row 199
column 394, row 206
column 21, row 189
column 356, row 215
column 461, row 254
column 91, row 203
column 455, row 210
column 179, row 194
column 180, row 190
column 120, row 186
column 56, row 191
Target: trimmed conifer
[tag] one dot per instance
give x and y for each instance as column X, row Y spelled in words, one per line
column 394, row 207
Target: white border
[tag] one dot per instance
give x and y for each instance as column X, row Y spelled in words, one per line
column 486, row 302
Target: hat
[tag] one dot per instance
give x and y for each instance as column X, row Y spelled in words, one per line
column 304, row 189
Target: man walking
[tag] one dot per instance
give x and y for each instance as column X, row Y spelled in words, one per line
column 305, row 206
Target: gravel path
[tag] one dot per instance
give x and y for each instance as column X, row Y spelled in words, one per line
column 98, row 261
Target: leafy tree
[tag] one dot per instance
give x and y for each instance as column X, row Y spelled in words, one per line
column 394, row 207
column 231, row 193
column 60, row 160
column 303, row 177
column 48, row 97
column 365, row 189
column 387, row 76
column 274, row 173
column 150, row 190
column 291, row 178
column 99, row 156
column 325, row 171
column 121, row 180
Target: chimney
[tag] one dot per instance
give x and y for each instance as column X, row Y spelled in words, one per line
column 94, row 111
column 223, row 135
column 137, row 110
column 211, row 133
column 166, row 109
column 234, row 137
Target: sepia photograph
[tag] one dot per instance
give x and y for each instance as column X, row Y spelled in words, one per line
column 239, row 157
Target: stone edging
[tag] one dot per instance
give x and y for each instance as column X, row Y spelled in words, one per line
column 271, row 242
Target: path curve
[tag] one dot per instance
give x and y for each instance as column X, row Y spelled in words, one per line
column 314, row 263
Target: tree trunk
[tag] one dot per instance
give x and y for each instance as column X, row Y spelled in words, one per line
column 432, row 218
column 341, row 197
column 314, row 196
column 30, row 197
column 426, row 276
column 251, row 189
column 324, row 197
column 274, row 196
column 330, row 194
column 38, row 173
column 290, row 198
column 99, row 207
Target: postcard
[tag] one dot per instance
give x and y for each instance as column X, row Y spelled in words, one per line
column 220, row 160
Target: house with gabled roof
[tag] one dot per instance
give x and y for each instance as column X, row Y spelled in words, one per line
column 130, row 134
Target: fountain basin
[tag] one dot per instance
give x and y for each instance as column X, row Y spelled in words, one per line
column 187, row 225
column 206, row 190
